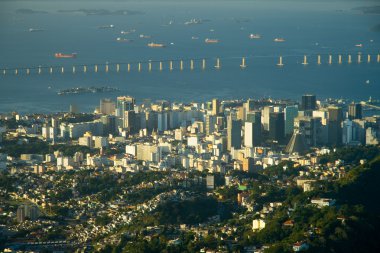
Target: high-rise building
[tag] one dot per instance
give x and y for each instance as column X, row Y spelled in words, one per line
column 276, row 126
column 248, row 164
column 21, row 214
column 255, row 118
column 265, row 116
column 27, row 211
column 110, row 124
column 249, row 105
column 252, row 129
column 215, row 106
column 334, row 122
column 107, row 106
column 291, row 112
column 124, row 104
column 308, row 103
column 310, row 128
column 233, row 134
column 130, row 121
column 355, row 111
column 210, row 123
column 241, row 113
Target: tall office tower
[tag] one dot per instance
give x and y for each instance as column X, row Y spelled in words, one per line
column 55, row 122
column 308, row 103
column 162, row 121
column 276, row 126
column 210, row 123
column 347, row 132
column 255, row 118
column 110, row 124
column 335, row 126
column 249, row 105
column 355, row 111
column 291, row 112
column 107, row 106
column 233, row 133
column 130, row 121
column 310, row 128
column 151, row 120
column 124, row 104
column 215, row 106
column 266, row 115
column 241, row 113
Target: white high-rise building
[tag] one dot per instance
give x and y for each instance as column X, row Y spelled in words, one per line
column 266, row 116
column 248, row 134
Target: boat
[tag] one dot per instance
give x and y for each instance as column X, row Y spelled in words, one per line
column 61, row 55
column 254, row 36
column 359, row 45
column 193, row 21
column 155, row 45
column 142, row 36
column 194, row 38
column 279, row 40
column 106, row 26
column 211, row 41
column 128, row 32
column 35, row 30
column 123, row 40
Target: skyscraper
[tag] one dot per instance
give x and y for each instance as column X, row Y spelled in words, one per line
column 265, row 116
column 334, row 126
column 355, row 111
column 124, row 104
column 291, row 112
column 310, row 128
column 215, row 106
column 130, row 121
column 276, row 126
column 252, row 130
column 308, row 103
column 210, row 123
column 233, row 133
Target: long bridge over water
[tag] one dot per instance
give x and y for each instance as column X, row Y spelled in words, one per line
column 192, row 64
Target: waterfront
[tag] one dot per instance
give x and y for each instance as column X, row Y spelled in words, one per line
column 309, row 28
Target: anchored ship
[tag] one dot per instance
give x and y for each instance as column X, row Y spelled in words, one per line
column 155, row 45
column 61, row 55
column 279, row 40
column 254, row 36
column 211, row 41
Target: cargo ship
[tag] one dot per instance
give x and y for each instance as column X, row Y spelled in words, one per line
column 123, row 40
column 279, row 40
column 155, row 45
column 254, row 36
column 211, row 41
column 142, row 36
column 61, row 55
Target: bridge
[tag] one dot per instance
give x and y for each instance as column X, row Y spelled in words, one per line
column 192, row 64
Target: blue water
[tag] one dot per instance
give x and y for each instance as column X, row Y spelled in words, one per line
column 309, row 28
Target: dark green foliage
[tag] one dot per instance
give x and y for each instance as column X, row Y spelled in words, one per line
column 33, row 146
column 352, row 154
column 102, row 220
column 188, row 211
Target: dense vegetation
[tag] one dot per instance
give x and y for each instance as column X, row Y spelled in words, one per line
column 186, row 212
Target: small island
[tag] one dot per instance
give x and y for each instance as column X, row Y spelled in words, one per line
column 82, row 90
